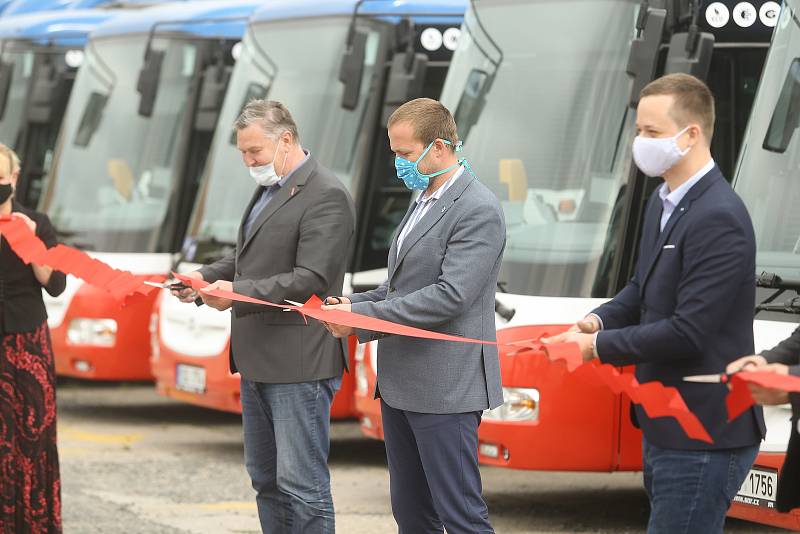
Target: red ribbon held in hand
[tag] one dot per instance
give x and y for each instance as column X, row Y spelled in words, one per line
column 31, row 249
column 740, row 399
column 657, row 400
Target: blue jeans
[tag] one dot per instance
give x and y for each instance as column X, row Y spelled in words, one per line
column 690, row 491
column 286, row 444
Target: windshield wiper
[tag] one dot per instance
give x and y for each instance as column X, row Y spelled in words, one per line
column 505, row 312
column 495, row 62
column 773, row 281
column 104, row 73
column 265, row 56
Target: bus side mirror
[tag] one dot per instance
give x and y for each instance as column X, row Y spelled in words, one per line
column 147, row 84
column 90, row 118
column 472, row 101
column 644, row 50
column 406, row 79
column 48, row 95
column 690, row 53
column 212, row 94
column 352, row 69
column 6, row 73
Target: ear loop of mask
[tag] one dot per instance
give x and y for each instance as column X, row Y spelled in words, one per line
column 458, row 148
column 675, row 138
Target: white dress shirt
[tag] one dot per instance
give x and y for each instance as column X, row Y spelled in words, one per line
column 671, row 199
column 424, row 205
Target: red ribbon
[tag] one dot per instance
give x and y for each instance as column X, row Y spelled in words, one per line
column 31, row 249
column 740, row 399
column 657, row 400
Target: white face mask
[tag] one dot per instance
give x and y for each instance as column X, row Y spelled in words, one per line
column 265, row 175
column 655, row 156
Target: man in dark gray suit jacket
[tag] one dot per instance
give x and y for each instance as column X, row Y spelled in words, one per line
column 782, row 359
column 299, row 221
column 443, row 266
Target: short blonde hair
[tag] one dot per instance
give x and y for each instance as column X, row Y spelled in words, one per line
column 13, row 159
column 693, row 100
column 429, row 120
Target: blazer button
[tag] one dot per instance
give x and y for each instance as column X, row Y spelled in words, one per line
column 391, row 290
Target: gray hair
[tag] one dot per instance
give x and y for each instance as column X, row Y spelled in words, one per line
column 273, row 117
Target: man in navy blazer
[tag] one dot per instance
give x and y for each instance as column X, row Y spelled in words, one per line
column 687, row 310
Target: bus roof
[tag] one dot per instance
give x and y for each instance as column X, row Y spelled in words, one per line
column 22, row 7
column 185, row 17
column 4, row 5
column 68, row 28
column 293, row 9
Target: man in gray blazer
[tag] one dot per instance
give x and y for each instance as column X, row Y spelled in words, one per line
column 443, row 266
column 290, row 246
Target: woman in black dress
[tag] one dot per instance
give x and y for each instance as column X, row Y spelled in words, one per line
column 30, row 487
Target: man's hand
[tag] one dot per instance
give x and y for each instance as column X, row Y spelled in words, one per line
column 187, row 295
column 218, row 303
column 585, row 342
column 332, row 301
column 337, row 303
column 754, row 360
column 588, row 325
column 21, row 216
column 763, row 396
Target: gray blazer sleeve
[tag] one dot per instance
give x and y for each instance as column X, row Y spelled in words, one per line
column 374, row 295
column 326, row 229
column 222, row 269
column 472, row 250
column 786, row 352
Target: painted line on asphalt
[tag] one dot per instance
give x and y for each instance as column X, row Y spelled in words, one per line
column 97, row 437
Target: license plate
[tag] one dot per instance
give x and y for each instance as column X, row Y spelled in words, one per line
column 759, row 488
column 190, row 378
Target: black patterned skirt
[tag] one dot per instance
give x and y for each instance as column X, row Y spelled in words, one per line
column 30, row 486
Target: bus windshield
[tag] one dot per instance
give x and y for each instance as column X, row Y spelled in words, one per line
column 13, row 116
column 540, row 95
column 768, row 175
column 305, row 79
column 115, row 171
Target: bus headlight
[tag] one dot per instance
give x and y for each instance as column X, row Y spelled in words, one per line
column 362, row 384
column 521, row 404
column 98, row 332
column 155, row 350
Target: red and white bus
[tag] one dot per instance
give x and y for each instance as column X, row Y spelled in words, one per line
column 549, row 128
column 136, row 131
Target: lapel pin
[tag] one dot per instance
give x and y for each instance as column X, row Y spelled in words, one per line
column 292, row 192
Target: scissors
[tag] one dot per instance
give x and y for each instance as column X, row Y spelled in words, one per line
column 718, row 378
column 293, row 303
column 174, row 286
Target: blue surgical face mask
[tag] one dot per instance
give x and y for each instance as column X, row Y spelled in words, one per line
column 408, row 171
